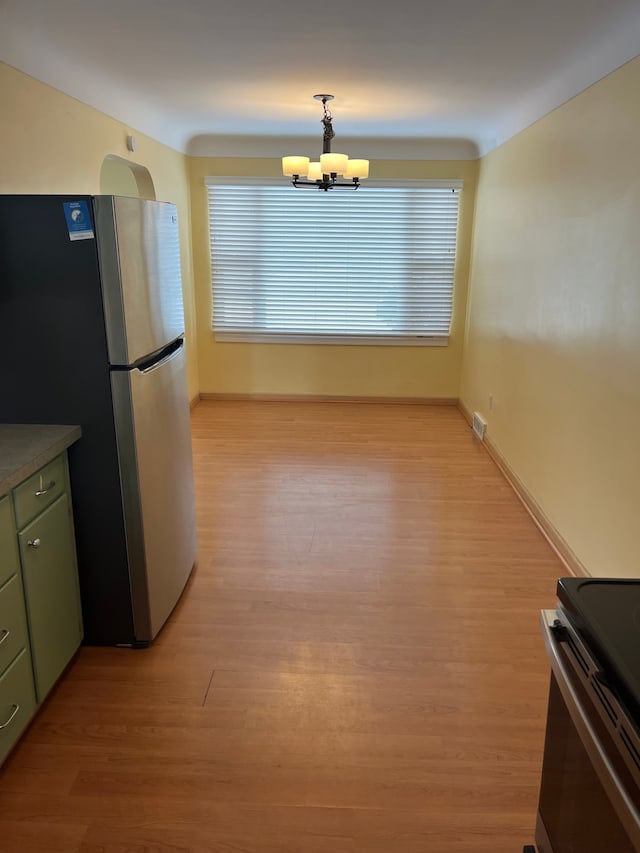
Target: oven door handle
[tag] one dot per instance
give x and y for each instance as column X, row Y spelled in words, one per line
column 605, row 771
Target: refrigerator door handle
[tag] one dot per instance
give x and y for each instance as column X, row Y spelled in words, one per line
column 170, row 352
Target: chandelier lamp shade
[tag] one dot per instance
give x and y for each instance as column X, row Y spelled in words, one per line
column 323, row 174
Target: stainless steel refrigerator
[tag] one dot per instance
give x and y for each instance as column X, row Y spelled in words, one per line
column 91, row 333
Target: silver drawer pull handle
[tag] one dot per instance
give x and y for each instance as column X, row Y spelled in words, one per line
column 33, row 543
column 16, row 708
column 5, row 634
column 44, row 489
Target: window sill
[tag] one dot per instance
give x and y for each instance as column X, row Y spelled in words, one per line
column 335, row 340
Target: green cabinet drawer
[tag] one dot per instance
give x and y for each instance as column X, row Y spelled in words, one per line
column 13, row 622
column 17, row 701
column 49, row 574
column 8, row 545
column 40, row 490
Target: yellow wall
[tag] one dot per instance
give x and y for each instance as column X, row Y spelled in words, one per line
column 51, row 143
column 116, row 178
column 554, row 317
column 327, row 369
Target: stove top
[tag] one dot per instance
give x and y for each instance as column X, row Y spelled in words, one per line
column 606, row 614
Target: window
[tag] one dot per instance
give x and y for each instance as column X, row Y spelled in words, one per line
column 374, row 265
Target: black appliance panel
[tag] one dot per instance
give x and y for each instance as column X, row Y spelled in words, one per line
column 605, row 612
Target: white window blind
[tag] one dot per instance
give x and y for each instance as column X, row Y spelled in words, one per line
column 372, row 265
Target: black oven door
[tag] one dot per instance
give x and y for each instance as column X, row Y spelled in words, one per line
column 589, row 801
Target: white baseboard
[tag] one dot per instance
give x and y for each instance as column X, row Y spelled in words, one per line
column 548, row 529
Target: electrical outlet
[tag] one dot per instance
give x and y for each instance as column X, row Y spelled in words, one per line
column 490, row 402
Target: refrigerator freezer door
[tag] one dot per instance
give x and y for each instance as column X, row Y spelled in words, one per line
column 139, row 250
column 154, row 448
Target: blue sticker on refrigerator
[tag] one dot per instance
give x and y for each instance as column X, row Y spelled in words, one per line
column 78, row 220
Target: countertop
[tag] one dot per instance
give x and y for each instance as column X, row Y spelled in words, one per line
column 24, row 448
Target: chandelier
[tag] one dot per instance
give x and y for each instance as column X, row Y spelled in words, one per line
column 323, row 174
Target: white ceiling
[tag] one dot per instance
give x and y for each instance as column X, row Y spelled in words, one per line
column 237, row 76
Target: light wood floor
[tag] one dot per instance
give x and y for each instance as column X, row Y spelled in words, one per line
column 355, row 667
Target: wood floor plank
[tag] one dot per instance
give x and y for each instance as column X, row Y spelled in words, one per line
column 42, row 837
column 355, row 666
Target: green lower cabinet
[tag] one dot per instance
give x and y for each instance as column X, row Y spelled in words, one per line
column 17, row 701
column 40, row 615
column 49, row 573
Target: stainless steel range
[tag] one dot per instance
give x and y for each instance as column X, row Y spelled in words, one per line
column 590, row 787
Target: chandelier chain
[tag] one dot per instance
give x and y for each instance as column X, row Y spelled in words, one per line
column 329, row 133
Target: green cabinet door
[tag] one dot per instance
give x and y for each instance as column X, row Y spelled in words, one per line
column 8, row 550
column 17, row 701
column 49, row 572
